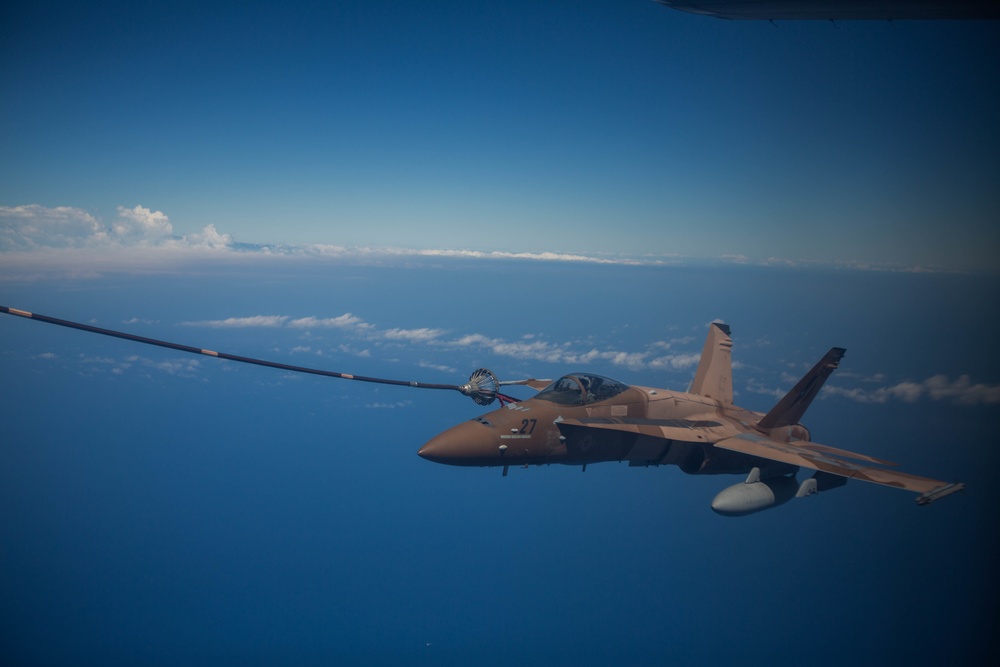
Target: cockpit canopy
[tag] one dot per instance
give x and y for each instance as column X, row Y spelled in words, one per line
column 580, row 389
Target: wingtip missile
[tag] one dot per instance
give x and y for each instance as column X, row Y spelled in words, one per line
column 940, row 492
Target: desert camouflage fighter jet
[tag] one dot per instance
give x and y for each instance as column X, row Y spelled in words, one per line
column 584, row 418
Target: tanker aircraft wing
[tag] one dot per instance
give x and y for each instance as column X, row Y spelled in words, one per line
column 839, row 10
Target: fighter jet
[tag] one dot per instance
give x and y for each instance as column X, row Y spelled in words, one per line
column 583, row 418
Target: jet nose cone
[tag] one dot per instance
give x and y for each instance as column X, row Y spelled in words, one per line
column 468, row 444
column 438, row 449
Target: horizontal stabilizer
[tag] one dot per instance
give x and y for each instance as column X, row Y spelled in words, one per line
column 790, row 409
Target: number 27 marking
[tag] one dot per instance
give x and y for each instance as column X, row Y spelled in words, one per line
column 527, row 426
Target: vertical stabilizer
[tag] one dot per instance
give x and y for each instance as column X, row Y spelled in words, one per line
column 790, row 409
column 714, row 377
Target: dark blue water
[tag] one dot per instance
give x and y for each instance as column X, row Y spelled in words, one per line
column 163, row 510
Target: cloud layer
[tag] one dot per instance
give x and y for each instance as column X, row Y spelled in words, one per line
column 937, row 388
column 530, row 347
column 73, row 240
column 961, row 391
column 349, row 334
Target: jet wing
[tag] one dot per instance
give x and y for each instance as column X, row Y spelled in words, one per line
column 821, row 457
column 621, row 438
column 803, row 454
column 683, row 430
column 702, row 432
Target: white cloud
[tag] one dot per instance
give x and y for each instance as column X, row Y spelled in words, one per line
column 390, row 406
column 526, row 348
column 98, row 360
column 184, row 367
column 28, row 228
column 141, row 222
column 758, row 388
column 209, row 238
column 345, row 321
column 533, row 348
column 326, row 249
column 181, row 366
column 961, row 390
column 475, row 339
column 423, row 334
column 632, row 360
column 241, row 322
column 676, row 362
column 936, row 388
column 438, row 367
column 497, row 254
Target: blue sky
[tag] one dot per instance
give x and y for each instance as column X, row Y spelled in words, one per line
column 619, row 128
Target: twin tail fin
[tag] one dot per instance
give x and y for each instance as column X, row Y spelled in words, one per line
column 714, row 379
column 789, row 410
